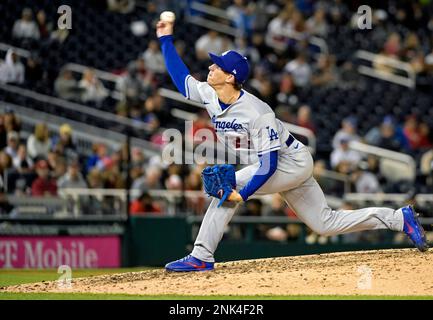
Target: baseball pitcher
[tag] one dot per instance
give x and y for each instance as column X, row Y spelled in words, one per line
column 282, row 163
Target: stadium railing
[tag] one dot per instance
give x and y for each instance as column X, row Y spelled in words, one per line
column 386, row 68
column 19, row 51
column 77, row 203
column 109, row 203
column 395, row 166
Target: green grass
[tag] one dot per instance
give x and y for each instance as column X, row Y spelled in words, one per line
column 82, row 296
column 13, row 277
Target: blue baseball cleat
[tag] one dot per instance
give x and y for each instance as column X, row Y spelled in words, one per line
column 189, row 263
column 413, row 228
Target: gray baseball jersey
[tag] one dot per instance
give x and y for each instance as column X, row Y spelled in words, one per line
column 248, row 127
column 252, row 121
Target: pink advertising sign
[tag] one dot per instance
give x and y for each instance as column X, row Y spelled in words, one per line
column 52, row 252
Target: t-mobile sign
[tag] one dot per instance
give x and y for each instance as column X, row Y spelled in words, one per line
column 52, row 252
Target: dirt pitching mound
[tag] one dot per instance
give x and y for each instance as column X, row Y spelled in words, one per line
column 383, row 272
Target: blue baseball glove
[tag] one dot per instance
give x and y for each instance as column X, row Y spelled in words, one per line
column 219, row 181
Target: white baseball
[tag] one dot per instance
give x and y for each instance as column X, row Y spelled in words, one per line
column 167, row 16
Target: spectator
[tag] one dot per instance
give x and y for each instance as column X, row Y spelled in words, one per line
column 56, row 163
column 379, row 135
column 12, row 70
column 287, row 94
column 425, row 134
column 150, row 180
column 242, row 16
column 174, row 180
column 325, row 73
column 45, row 28
column 59, row 167
column 113, row 178
column 66, row 87
column 411, row 132
column 389, row 138
column 344, row 154
column 392, row 46
column 137, row 157
column 317, row 25
column 5, row 163
column 22, row 162
column 38, row 143
column 11, row 121
column 73, row 178
column 277, row 28
column 347, row 132
column 64, row 144
column 43, row 185
column 300, row 70
column 26, row 28
column 153, row 59
column 144, row 204
column 13, row 141
column 136, row 114
column 94, row 90
column 298, row 25
column 134, row 86
column 151, row 106
column 304, row 118
column 159, row 109
column 95, row 179
column 411, row 47
column 365, row 181
column 209, row 42
column 99, row 158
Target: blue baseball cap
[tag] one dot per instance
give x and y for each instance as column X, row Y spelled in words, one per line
column 233, row 63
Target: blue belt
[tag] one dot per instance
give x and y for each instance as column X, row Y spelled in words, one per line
column 290, row 140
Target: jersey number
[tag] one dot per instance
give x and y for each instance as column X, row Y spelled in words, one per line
column 273, row 135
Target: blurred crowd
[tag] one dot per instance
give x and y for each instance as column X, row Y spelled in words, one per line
column 277, row 37
column 46, row 161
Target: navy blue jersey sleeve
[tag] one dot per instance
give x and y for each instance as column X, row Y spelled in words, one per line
column 176, row 68
column 268, row 165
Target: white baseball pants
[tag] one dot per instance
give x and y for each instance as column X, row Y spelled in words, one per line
column 293, row 180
